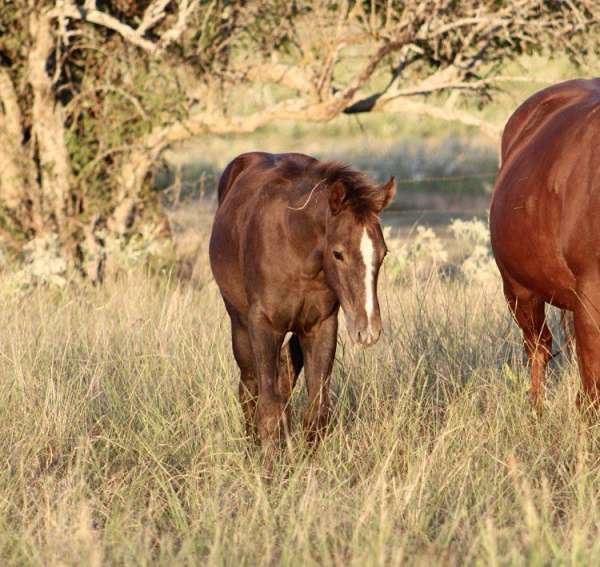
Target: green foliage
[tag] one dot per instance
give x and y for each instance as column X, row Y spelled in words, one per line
column 113, row 113
column 13, row 34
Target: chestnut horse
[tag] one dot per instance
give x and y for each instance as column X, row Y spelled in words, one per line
column 545, row 223
column 293, row 239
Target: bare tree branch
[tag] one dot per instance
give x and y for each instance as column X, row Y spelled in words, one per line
column 10, row 111
column 89, row 13
column 186, row 9
column 154, row 13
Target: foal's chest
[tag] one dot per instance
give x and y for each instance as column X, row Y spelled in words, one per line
column 315, row 306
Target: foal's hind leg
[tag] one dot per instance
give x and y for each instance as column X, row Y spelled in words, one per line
column 567, row 323
column 529, row 312
column 248, row 389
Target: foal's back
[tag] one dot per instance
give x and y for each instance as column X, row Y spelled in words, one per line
column 254, row 193
column 259, row 164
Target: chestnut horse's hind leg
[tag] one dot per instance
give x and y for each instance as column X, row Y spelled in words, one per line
column 319, row 352
column 587, row 337
column 568, row 327
column 529, row 312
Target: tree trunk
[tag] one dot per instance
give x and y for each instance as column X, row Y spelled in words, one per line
column 16, row 166
column 35, row 176
column 48, row 130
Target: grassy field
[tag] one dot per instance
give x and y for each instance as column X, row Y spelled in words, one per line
column 122, row 439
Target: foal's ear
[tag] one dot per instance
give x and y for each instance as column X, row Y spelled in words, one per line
column 385, row 194
column 337, row 196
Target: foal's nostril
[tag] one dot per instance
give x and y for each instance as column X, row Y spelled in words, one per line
column 366, row 337
column 372, row 337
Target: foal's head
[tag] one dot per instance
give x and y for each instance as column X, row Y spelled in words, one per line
column 355, row 249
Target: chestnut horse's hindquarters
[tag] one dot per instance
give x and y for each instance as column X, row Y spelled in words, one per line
column 543, row 224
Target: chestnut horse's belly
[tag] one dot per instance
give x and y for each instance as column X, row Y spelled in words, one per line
column 525, row 230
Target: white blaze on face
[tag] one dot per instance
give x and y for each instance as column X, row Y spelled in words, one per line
column 367, row 249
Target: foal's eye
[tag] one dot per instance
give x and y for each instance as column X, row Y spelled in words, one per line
column 338, row 255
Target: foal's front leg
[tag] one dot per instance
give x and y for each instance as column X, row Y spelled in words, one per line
column 319, row 352
column 266, row 345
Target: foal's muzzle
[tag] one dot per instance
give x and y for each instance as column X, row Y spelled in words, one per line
column 364, row 332
column 367, row 337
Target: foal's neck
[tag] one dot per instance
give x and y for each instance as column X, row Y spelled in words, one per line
column 307, row 227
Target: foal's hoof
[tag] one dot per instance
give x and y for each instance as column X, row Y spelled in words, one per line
column 536, row 400
column 269, row 453
column 314, row 435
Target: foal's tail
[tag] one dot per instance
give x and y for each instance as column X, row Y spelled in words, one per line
column 291, row 362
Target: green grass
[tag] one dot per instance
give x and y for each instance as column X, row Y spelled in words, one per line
column 122, row 439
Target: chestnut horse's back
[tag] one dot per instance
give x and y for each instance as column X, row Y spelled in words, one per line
column 539, row 108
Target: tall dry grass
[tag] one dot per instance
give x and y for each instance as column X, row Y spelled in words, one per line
column 122, row 439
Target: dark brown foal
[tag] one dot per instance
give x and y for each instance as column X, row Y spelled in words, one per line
column 294, row 239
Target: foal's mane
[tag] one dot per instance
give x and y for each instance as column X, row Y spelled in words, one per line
column 363, row 196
